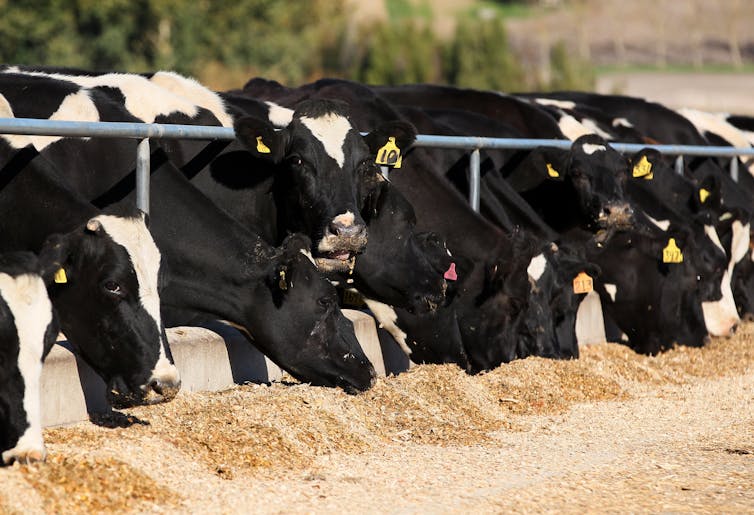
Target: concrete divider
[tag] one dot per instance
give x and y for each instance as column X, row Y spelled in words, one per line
column 209, row 358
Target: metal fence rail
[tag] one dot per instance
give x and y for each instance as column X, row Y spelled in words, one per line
column 145, row 131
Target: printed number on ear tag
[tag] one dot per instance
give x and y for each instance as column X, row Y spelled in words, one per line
column 552, row 172
column 643, row 169
column 60, row 277
column 582, row 283
column 671, row 253
column 352, row 298
column 389, row 154
column 703, row 194
column 261, row 147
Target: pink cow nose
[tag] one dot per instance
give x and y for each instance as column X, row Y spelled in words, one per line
column 450, row 273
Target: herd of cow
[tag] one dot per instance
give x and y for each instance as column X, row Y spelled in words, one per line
column 268, row 231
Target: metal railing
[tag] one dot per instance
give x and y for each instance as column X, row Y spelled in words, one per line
column 146, row 131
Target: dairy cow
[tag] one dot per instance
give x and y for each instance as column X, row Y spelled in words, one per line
column 215, row 267
column 28, row 328
column 107, row 292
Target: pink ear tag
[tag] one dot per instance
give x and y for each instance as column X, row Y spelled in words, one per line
column 450, row 273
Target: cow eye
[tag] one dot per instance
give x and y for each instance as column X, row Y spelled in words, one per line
column 325, row 302
column 295, row 161
column 113, row 288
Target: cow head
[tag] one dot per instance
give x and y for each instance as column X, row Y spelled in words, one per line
column 400, row 266
column 105, row 291
column 28, row 329
column 303, row 324
column 318, row 157
column 598, row 173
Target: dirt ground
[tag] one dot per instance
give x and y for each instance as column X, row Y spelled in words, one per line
column 610, row 432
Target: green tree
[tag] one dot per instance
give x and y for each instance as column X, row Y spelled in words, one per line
column 568, row 72
column 479, row 57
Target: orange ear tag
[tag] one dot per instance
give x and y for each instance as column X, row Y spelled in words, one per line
column 582, row 283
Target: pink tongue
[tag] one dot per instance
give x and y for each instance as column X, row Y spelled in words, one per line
column 450, row 273
column 342, row 257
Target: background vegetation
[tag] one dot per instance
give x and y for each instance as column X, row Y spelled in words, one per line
column 225, row 42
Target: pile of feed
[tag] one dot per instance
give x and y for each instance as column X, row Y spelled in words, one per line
column 430, row 434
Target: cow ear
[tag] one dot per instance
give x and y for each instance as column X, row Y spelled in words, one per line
column 396, row 133
column 708, row 194
column 260, row 138
column 542, row 164
column 55, row 259
column 294, row 244
column 643, row 163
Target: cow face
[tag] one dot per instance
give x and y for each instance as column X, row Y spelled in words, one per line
column 401, row 267
column 108, row 301
column 311, row 336
column 28, row 329
column 598, row 173
column 319, row 157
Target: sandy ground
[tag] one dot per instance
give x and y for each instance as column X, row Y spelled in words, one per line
column 610, row 432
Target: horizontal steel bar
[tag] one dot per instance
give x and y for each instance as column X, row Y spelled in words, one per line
column 112, row 129
column 155, row 130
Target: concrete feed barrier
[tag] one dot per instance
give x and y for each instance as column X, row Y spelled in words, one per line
column 209, row 358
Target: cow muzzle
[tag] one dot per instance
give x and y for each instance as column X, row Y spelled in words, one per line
column 342, row 241
column 616, row 215
column 156, row 391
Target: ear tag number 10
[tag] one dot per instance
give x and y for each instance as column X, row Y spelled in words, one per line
column 389, row 154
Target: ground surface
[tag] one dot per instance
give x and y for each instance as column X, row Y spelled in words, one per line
column 611, row 432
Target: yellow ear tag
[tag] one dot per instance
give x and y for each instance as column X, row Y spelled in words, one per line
column 390, row 154
column 671, row 253
column 582, row 283
column 282, row 284
column 261, row 147
column 552, row 172
column 643, row 169
column 60, row 277
column 703, row 194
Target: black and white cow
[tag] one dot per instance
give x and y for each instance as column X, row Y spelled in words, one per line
column 28, row 329
column 215, row 267
column 107, row 294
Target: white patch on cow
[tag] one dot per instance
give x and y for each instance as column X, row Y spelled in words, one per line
column 590, row 323
column 725, row 216
column 592, row 126
column 572, row 128
column 611, row 290
column 309, row 257
column 537, row 267
column 133, row 235
column 590, row 148
column 278, row 115
column 622, row 122
column 711, row 233
column 194, row 92
column 346, row 219
column 14, row 140
column 661, row 224
column 563, row 104
column 331, row 129
column 387, row 318
column 76, row 106
column 721, row 316
column 27, row 300
column 717, row 123
column 739, row 245
column 144, row 99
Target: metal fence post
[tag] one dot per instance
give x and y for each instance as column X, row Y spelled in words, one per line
column 734, row 168
column 142, row 175
column 474, row 177
column 679, row 165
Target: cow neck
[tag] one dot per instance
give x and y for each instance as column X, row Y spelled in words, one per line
column 213, row 261
column 54, row 209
